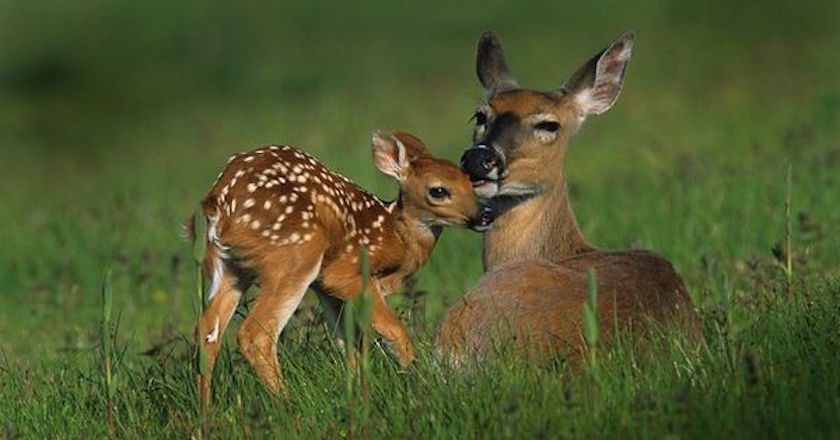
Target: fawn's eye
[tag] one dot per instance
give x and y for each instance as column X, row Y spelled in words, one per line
column 480, row 118
column 438, row 193
column 549, row 126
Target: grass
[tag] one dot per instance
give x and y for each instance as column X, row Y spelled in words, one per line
column 115, row 118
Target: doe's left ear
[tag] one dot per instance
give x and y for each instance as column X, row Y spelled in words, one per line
column 491, row 67
column 389, row 155
column 597, row 84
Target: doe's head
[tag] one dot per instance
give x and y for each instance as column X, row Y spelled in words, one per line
column 520, row 135
column 434, row 191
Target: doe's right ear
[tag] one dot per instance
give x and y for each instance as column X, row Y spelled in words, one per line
column 597, row 84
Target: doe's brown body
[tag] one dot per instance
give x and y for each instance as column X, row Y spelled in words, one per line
column 537, row 260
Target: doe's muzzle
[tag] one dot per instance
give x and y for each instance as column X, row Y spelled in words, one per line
column 481, row 162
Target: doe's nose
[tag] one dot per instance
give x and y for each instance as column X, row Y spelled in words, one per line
column 480, row 162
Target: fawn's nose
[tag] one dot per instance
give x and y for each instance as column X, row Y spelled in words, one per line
column 481, row 162
column 484, row 220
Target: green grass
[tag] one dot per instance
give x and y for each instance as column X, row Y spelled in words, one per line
column 116, row 116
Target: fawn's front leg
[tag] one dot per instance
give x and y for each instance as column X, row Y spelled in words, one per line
column 386, row 323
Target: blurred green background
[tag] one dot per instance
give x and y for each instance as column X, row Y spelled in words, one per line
column 115, row 116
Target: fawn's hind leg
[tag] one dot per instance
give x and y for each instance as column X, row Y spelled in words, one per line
column 224, row 295
column 284, row 278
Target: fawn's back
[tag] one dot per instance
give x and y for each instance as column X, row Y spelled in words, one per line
column 274, row 195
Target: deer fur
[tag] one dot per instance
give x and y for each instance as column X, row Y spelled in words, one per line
column 280, row 219
column 536, row 258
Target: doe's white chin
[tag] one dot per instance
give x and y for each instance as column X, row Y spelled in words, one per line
column 486, row 189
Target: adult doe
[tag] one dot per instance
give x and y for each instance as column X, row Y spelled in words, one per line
column 278, row 218
column 535, row 256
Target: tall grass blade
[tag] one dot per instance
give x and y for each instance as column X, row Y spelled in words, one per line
column 590, row 315
column 202, row 364
column 108, row 353
column 788, row 268
column 365, row 311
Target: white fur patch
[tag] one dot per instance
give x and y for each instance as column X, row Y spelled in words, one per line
column 216, row 278
column 585, row 99
column 214, row 240
column 516, row 189
column 213, row 336
column 486, row 190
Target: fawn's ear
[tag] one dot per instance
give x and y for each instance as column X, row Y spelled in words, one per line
column 491, row 67
column 596, row 85
column 414, row 147
column 390, row 155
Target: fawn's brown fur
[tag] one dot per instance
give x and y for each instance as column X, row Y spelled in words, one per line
column 280, row 219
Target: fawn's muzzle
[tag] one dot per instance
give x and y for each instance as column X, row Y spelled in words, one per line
column 483, row 221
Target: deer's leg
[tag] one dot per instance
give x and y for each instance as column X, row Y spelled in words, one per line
column 332, row 308
column 386, row 323
column 224, row 296
column 284, row 278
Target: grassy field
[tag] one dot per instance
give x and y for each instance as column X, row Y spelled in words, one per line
column 116, row 116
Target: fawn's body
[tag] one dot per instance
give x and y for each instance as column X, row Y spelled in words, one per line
column 278, row 218
column 536, row 258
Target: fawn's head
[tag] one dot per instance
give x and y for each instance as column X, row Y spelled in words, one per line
column 433, row 191
column 520, row 135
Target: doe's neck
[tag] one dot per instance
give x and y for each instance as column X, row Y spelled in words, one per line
column 540, row 227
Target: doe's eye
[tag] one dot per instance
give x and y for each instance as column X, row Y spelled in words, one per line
column 480, row 118
column 438, row 193
column 549, row 126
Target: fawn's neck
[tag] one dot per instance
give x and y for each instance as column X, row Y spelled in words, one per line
column 416, row 237
column 541, row 227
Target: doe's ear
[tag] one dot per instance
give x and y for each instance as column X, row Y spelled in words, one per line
column 596, row 85
column 389, row 155
column 491, row 67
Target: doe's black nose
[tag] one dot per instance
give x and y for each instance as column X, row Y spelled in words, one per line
column 480, row 161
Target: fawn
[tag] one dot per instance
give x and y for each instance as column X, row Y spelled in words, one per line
column 535, row 257
column 279, row 218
